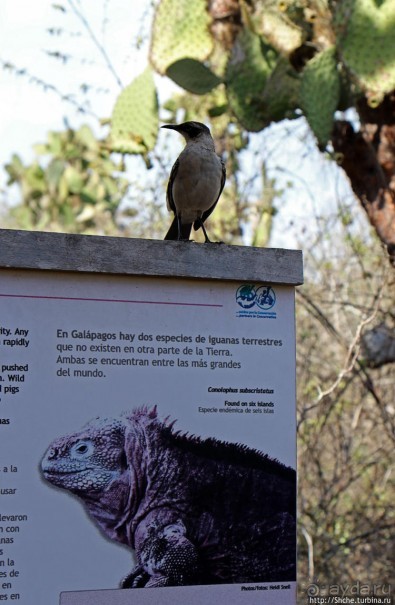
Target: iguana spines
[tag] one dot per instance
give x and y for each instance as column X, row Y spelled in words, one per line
column 195, row 511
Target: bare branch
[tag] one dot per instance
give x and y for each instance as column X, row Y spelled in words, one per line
column 96, row 42
column 46, row 86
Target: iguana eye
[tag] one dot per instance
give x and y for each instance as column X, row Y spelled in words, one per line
column 82, row 449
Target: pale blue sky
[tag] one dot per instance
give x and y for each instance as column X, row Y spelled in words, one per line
column 27, row 112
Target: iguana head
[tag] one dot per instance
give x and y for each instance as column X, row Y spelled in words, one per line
column 88, row 461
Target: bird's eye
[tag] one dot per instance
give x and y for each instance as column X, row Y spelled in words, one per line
column 82, row 449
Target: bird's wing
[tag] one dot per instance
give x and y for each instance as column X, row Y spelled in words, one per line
column 207, row 213
column 169, row 192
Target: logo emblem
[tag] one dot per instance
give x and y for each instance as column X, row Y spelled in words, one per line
column 246, row 296
column 256, row 301
column 265, row 297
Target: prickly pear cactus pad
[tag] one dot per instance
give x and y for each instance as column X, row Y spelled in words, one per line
column 134, row 121
column 193, row 76
column 279, row 30
column 320, row 93
column 180, row 30
column 248, row 69
column 365, row 33
column 281, row 93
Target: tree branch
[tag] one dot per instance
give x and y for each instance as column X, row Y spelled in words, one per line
column 96, row 42
column 368, row 160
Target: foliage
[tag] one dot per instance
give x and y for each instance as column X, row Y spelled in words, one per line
column 320, row 93
column 365, row 32
column 180, row 29
column 301, row 56
column 248, row 69
column 72, row 185
column 134, row 122
column 193, row 76
column 280, row 60
column 250, row 63
column 319, row 45
column 346, row 417
column 266, row 60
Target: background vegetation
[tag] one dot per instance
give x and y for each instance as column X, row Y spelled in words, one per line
column 278, row 82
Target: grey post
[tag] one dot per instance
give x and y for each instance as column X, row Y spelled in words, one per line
column 115, row 255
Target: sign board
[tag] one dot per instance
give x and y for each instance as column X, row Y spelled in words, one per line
column 147, row 423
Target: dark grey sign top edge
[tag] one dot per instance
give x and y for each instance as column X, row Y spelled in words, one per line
column 128, row 256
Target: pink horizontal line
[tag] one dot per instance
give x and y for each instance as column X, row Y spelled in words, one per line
column 138, row 302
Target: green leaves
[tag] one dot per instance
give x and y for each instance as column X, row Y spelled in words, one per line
column 193, row 76
column 248, row 69
column 272, row 23
column 134, row 122
column 261, row 83
column 74, row 189
column 365, row 40
column 262, row 86
column 280, row 97
column 320, row 94
column 180, row 30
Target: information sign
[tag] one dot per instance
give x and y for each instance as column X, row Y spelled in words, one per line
column 147, row 439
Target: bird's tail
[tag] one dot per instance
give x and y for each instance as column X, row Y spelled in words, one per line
column 173, row 231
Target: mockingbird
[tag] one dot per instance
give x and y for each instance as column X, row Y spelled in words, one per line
column 196, row 181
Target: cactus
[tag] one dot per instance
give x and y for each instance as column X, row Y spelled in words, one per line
column 180, row 30
column 250, row 64
column 320, row 94
column 134, row 121
column 280, row 96
column 365, row 40
column 193, row 76
column 277, row 28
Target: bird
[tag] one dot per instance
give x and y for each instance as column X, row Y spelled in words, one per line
column 196, row 181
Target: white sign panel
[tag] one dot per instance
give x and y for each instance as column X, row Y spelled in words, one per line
column 147, row 440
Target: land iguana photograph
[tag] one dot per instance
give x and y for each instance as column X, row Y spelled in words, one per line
column 193, row 510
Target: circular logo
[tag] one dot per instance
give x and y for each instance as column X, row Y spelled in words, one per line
column 245, row 296
column 265, row 297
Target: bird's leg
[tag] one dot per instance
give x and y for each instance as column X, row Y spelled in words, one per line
column 179, row 226
column 207, row 241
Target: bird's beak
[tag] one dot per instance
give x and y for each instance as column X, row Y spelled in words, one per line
column 171, row 126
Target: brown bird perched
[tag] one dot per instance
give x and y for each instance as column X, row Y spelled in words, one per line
column 196, row 181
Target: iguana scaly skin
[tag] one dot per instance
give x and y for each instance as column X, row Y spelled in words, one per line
column 196, row 511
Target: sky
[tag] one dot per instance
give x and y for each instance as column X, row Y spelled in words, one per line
column 28, row 112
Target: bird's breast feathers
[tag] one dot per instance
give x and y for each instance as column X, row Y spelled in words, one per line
column 197, row 184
